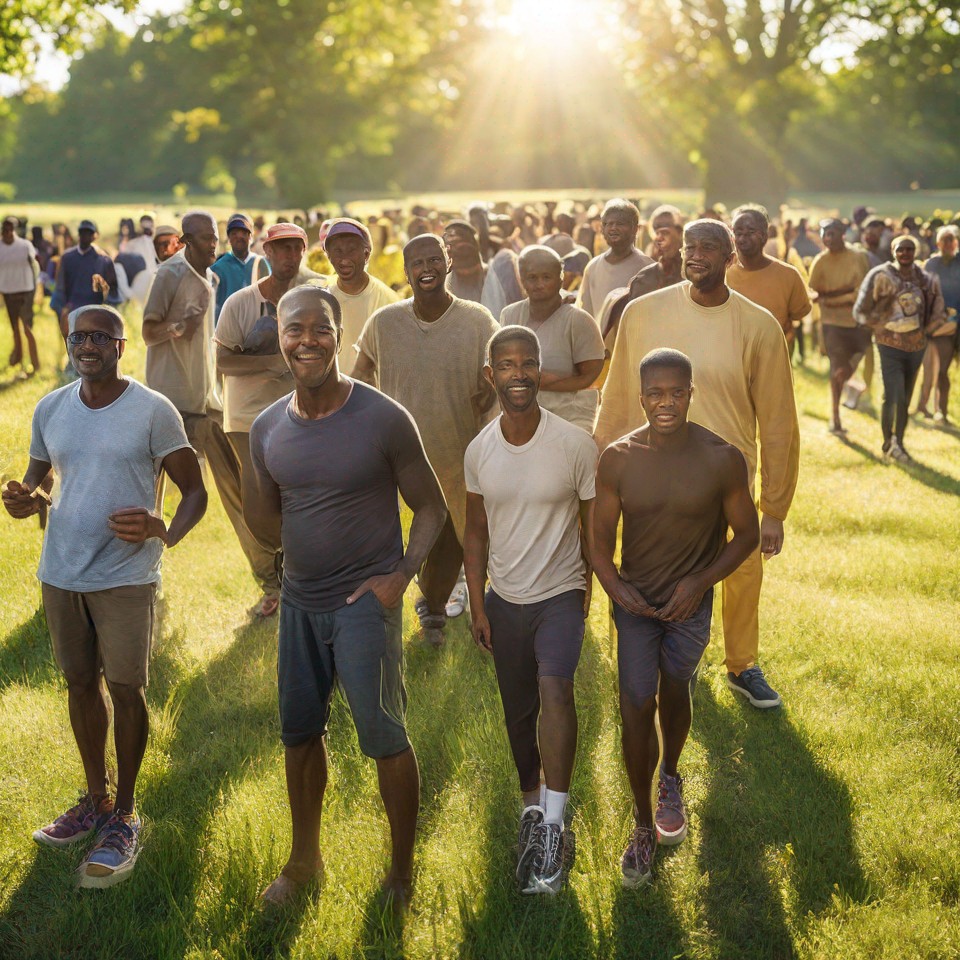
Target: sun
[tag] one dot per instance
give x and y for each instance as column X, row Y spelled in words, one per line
column 552, row 23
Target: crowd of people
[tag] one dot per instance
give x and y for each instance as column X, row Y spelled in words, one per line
column 527, row 382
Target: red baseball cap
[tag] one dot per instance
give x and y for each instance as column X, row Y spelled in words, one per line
column 285, row 231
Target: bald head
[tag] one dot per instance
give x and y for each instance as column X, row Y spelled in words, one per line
column 96, row 317
column 539, row 257
column 420, row 244
column 306, row 297
column 710, row 229
column 197, row 221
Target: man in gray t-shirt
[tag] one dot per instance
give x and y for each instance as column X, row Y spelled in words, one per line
column 105, row 438
column 328, row 465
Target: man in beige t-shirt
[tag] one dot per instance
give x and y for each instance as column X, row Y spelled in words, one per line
column 347, row 246
column 616, row 266
column 835, row 276
column 254, row 373
column 571, row 348
column 178, row 332
column 428, row 353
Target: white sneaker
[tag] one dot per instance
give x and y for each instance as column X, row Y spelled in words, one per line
column 458, row 601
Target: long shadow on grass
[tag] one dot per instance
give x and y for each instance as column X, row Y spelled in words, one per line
column 775, row 829
column 26, row 656
column 222, row 721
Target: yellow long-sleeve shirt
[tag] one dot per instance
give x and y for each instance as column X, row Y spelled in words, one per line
column 743, row 385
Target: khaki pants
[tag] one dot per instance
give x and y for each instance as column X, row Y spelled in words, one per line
column 740, row 602
column 207, row 437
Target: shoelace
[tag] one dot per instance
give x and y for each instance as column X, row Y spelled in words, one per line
column 642, row 842
column 673, row 799
column 116, row 835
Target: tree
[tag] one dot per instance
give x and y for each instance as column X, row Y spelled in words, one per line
column 736, row 73
column 67, row 23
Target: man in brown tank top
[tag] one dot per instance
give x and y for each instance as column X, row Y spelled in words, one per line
column 678, row 487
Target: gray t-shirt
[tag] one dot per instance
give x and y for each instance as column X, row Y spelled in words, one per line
column 106, row 460
column 337, row 479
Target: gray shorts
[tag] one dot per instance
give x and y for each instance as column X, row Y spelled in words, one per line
column 361, row 647
column 647, row 647
column 845, row 346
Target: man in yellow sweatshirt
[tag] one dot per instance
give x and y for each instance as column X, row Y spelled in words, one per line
column 745, row 390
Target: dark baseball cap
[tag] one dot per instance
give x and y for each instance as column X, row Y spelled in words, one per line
column 240, row 221
column 87, row 225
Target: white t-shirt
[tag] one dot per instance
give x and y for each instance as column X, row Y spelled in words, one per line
column 356, row 309
column 245, row 398
column 16, row 266
column 532, row 495
column 105, row 460
column 567, row 337
column 600, row 277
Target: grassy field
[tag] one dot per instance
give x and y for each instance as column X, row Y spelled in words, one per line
column 828, row 829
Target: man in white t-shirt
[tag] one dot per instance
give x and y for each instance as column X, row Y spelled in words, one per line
column 616, row 266
column 18, row 283
column 347, row 246
column 254, row 373
column 530, row 486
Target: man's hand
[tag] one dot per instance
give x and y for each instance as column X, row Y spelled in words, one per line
column 771, row 536
column 480, row 628
column 19, row 501
column 631, row 600
column 137, row 525
column 686, row 600
column 388, row 588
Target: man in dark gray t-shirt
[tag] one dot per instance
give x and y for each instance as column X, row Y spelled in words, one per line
column 329, row 462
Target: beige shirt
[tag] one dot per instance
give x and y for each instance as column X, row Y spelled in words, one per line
column 356, row 309
column 778, row 287
column 435, row 370
column 835, row 271
column 183, row 370
column 741, row 374
column 531, row 494
column 567, row 337
column 600, row 277
column 246, row 397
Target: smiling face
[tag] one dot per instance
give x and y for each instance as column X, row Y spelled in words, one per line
column 665, row 394
column 97, row 361
column 425, row 264
column 514, row 371
column 309, row 338
column 906, row 252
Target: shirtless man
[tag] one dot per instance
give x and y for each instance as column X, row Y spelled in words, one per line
column 674, row 552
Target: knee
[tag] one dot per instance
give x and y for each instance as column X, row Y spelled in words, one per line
column 637, row 710
column 556, row 693
column 126, row 696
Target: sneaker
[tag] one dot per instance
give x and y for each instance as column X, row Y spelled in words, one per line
column 457, row 603
column 78, row 822
column 671, row 814
column 753, row 685
column 636, row 865
column 427, row 619
column 114, row 855
column 529, row 819
column 899, row 454
column 542, row 862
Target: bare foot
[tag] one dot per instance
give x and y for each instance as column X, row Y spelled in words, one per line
column 397, row 894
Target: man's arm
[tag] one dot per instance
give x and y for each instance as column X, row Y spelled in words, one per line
column 260, row 497
column 365, row 369
column 20, row 499
column 476, row 544
column 602, row 542
column 236, row 363
column 741, row 516
column 619, row 406
column 421, row 492
column 137, row 524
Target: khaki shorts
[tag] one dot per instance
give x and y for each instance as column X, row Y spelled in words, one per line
column 108, row 630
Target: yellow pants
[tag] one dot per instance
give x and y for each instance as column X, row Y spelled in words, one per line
column 740, row 598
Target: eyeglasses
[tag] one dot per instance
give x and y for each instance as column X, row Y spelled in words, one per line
column 98, row 337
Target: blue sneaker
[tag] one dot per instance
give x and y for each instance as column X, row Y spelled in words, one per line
column 114, row 854
column 753, row 685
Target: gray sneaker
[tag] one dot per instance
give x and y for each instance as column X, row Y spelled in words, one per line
column 636, row 865
column 543, row 860
column 530, row 817
column 753, row 685
column 671, row 814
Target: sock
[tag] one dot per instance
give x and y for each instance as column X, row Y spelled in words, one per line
column 543, row 795
column 554, row 805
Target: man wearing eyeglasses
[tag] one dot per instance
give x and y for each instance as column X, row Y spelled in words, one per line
column 99, row 569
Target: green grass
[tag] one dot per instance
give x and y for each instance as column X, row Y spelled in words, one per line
column 828, row 829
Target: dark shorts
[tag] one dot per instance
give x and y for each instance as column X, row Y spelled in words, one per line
column 541, row 638
column 361, row 646
column 20, row 307
column 845, row 346
column 104, row 630
column 647, row 647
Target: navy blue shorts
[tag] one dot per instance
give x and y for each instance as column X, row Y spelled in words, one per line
column 361, row 647
column 647, row 647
